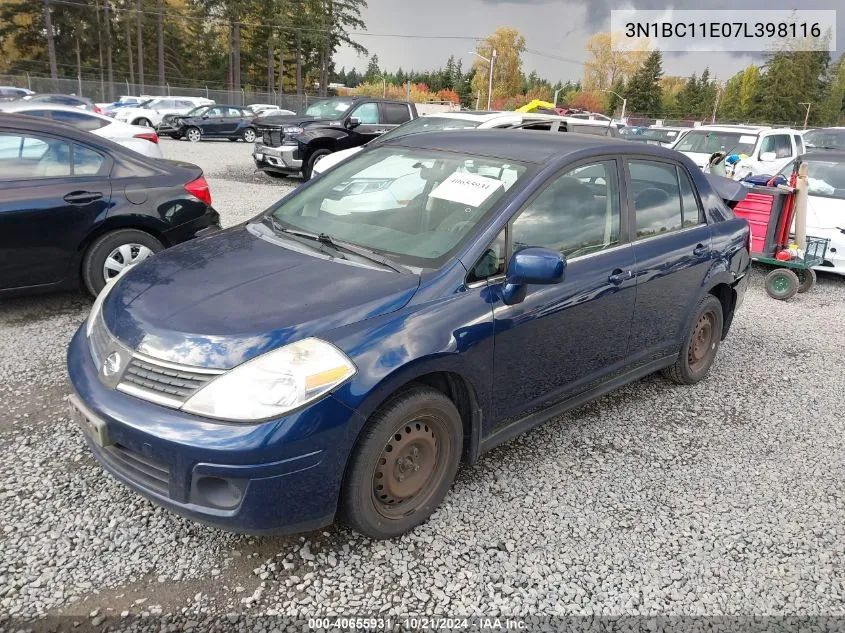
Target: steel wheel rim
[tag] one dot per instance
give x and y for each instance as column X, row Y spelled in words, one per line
column 193, row 135
column 123, row 256
column 702, row 342
column 249, row 136
column 780, row 283
column 409, row 468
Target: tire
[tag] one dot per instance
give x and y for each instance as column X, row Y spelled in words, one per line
column 233, row 138
column 175, row 137
column 248, row 135
column 417, row 431
column 193, row 134
column 108, row 246
column 143, row 121
column 807, row 280
column 312, row 160
column 701, row 344
column 782, row 284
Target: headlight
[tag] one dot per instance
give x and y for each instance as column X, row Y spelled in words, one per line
column 292, row 130
column 274, row 383
column 100, row 299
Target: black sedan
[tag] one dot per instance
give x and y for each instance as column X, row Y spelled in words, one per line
column 217, row 121
column 77, row 208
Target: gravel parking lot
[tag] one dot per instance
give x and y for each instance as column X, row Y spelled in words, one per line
column 722, row 498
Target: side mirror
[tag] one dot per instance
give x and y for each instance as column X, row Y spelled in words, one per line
column 205, row 115
column 533, row 265
column 768, row 157
column 353, row 122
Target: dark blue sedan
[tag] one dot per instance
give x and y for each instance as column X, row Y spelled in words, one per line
column 416, row 306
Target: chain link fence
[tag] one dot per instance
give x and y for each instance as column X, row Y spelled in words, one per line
column 105, row 92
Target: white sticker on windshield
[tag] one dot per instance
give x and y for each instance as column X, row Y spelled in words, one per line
column 747, row 138
column 671, row 133
column 466, row 189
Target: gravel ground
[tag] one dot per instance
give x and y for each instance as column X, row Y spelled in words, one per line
column 725, row 498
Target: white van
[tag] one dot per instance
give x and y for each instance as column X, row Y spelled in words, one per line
column 768, row 149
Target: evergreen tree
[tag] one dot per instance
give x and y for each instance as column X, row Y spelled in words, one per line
column 644, row 95
column 373, row 71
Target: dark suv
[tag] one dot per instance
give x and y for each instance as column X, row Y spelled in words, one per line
column 292, row 144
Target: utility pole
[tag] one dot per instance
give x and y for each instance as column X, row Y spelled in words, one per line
column 716, row 104
column 78, row 68
column 51, row 44
column 492, row 61
column 140, row 35
column 807, row 114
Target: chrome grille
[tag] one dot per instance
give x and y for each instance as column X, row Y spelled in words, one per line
column 99, row 339
column 165, row 383
column 273, row 138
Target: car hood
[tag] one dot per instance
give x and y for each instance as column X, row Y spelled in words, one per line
column 218, row 301
column 334, row 158
column 285, row 120
column 699, row 158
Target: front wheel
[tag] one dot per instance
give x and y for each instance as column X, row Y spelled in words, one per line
column 403, row 464
column 112, row 252
column 315, row 157
column 193, row 134
column 700, row 344
column 249, row 135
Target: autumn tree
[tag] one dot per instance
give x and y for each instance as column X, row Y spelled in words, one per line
column 605, row 66
column 507, row 69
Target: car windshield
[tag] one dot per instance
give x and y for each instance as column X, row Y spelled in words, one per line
column 427, row 124
column 664, row 136
column 708, row 142
column 414, row 205
column 825, row 178
column 827, row 139
column 328, row 109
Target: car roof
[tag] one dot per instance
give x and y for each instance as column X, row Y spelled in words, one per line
column 484, row 117
column 524, row 145
column 751, row 129
column 26, row 106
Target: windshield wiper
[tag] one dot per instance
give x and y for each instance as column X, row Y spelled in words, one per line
column 336, row 244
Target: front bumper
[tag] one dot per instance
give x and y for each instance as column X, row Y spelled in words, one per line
column 279, row 476
column 170, row 128
column 284, row 159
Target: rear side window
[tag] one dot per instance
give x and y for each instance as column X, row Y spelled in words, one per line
column 692, row 214
column 79, row 120
column 657, row 197
column 799, row 143
column 396, row 113
column 86, row 162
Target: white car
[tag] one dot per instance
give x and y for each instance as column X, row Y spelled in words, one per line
column 140, row 139
column 826, row 204
column 825, row 138
column 267, row 108
column 150, row 113
column 439, row 122
column 767, row 149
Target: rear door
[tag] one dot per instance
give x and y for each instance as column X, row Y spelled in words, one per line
column 673, row 254
column 51, row 192
column 393, row 115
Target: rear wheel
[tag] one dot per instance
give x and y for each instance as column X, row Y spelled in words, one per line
column 403, row 464
column 249, row 135
column 782, row 284
column 143, row 121
column 109, row 254
column 313, row 160
column 808, row 279
column 193, row 134
column 700, row 345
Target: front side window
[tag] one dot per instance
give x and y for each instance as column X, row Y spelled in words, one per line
column 23, row 157
column 576, row 214
column 328, row 109
column 778, row 144
column 367, row 113
column 413, row 204
column 657, row 197
column 492, row 262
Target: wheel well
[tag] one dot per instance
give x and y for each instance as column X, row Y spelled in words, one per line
column 102, row 230
column 727, row 297
column 454, row 387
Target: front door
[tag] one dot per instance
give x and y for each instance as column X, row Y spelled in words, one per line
column 369, row 127
column 51, row 192
column 673, row 253
column 565, row 338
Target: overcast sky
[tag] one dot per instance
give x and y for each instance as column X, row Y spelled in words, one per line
column 555, row 28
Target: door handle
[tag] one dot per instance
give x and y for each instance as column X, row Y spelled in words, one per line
column 82, row 197
column 700, row 249
column 618, row 276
